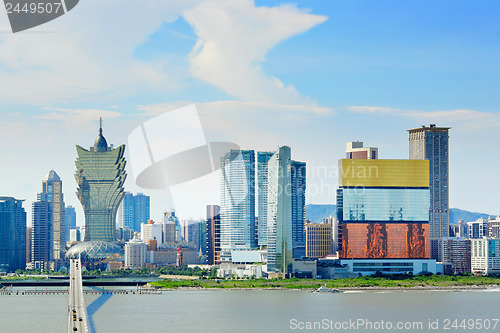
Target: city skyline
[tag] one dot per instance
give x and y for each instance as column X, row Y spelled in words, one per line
column 343, row 74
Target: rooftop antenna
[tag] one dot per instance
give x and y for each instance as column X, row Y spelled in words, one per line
column 100, row 125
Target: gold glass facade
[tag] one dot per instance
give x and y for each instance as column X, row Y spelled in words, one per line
column 384, row 240
column 384, row 173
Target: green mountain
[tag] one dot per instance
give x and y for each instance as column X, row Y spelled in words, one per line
column 459, row 214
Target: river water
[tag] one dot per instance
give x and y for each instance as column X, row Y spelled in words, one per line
column 261, row 311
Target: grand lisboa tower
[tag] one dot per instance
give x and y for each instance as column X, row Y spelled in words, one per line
column 100, row 174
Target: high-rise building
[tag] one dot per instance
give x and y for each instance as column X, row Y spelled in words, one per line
column 286, row 211
column 69, row 220
column 100, row 174
column 494, row 227
column 431, row 143
column 478, row 229
column 457, row 251
column 52, row 194
column 459, row 230
column 262, row 183
column 383, row 209
column 298, row 192
column 41, row 231
column 335, row 229
column 28, row 244
column 12, row 234
column 135, row 254
column 237, row 210
column 152, row 231
column 485, row 256
column 213, row 234
column 319, row 240
column 133, row 211
column 173, row 224
column 355, row 150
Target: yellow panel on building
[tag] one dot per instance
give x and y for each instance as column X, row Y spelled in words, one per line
column 384, row 173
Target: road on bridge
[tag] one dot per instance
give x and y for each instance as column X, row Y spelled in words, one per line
column 77, row 311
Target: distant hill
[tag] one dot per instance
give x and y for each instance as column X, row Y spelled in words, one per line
column 459, row 214
column 316, row 213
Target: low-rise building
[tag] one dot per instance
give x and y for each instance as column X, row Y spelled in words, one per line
column 457, row 251
column 485, row 256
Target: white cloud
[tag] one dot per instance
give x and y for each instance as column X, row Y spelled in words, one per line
column 89, row 52
column 77, row 116
column 234, row 38
column 461, row 119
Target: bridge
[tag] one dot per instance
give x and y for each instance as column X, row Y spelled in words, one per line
column 77, row 311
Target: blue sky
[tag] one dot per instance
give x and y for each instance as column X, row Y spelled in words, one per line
column 309, row 74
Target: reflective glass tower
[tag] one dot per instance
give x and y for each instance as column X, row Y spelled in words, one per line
column 52, row 193
column 134, row 210
column 12, row 234
column 262, row 182
column 383, row 209
column 237, row 210
column 100, row 174
column 431, row 143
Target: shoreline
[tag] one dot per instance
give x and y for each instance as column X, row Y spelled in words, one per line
column 416, row 288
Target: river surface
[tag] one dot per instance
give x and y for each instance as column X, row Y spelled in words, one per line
column 261, row 311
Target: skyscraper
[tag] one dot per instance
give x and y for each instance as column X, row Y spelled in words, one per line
column 286, row 210
column 382, row 208
column 41, row 231
column 237, row 211
column 12, row 234
column 262, row 182
column 133, row 211
column 431, row 143
column 319, row 240
column 213, row 234
column 52, row 193
column 100, row 174
column 298, row 191
column 69, row 220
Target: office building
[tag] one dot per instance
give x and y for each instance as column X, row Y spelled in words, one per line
column 152, row 231
column 286, row 211
column 12, row 234
column 431, row 143
column 459, row 230
column 75, row 235
column 41, row 242
column 262, row 183
column 237, row 209
column 298, row 192
column 335, row 228
column 383, row 214
column 478, row 229
column 69, row 220
column 213, row 234
column 355, row 150
column 28, row 244
column 133, row 211
column 319, row 240
column 53, row 196
column 485, row 256
column 135, row 254
column 173, row 228
column 124, row 234
column 494, row 227
column 100, row 174
column 457, row 251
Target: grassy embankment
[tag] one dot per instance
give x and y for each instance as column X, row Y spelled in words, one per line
column 434, row 281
